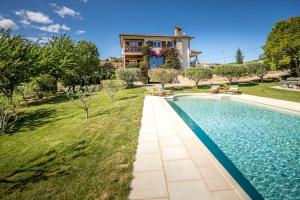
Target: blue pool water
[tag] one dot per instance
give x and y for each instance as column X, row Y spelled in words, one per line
column 259, row 146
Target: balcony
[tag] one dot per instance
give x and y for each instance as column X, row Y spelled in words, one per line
column 132, row 50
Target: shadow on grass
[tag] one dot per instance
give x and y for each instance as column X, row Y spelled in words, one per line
column 50, row 100
column 43, row 167
column 248, row 84
column 109, row 111
column 32, row 120
column 126, row 98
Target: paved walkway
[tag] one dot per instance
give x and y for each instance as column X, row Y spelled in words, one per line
column 288, row 89
column 172, row 163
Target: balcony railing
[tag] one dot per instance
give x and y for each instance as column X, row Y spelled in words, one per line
column 132, row 49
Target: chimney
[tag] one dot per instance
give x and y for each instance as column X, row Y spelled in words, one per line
column 178, row 31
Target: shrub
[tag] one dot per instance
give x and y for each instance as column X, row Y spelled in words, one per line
column 129, row 75
column 112, row 87
column 171, row 58
column 198, row 73
column 46, row 84
column 162, row 76
column 84, row 96
column 144, row 67
column 106, row 70
column 133, row 65
column 259, row 69
column 7, row 114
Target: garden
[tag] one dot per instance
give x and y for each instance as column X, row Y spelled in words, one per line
column 69, row 125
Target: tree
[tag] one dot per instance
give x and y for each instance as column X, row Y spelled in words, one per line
column 144, row 67
column 198, row 73
column 227, row 70
column 58, row 58
column 106, row 70
column 17, row 58
column 129, row 75
column 87, row 61
column 162, row 76
column 112, row 87
column 282, row 48
column 259, row 69
column 239, row 56
column 83, row 97
column 240, row 70
column 7, row 114
column 171, row 58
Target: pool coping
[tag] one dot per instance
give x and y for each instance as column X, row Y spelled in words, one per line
column 215, row 161
column 288, row 106
column 159, row 155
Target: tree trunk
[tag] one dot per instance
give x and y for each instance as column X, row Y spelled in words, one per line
column 86, row 114
column 162, row 85
column 196, row 84
column 10, row 95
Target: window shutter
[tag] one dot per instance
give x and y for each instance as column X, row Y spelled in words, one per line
column 163, row 43
column 126, row 44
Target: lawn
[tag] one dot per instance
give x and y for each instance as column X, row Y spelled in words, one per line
column 255, row 88
column 54, row 153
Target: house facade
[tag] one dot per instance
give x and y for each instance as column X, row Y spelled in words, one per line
column 132, row 44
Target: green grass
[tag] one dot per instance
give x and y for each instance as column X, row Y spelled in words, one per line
column 54, row 153
column 254, row 88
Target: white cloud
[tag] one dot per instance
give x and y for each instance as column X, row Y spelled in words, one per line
column 30, row 16
column 53, row 28
column 79, row 32
column 85, row 1
column 63, row 11
column 25, row 22
column 7, row 23
column 41, row 40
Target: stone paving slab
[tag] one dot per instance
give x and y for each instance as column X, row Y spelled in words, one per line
column 171, row 162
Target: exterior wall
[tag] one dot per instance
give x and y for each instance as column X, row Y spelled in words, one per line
column 182, row 45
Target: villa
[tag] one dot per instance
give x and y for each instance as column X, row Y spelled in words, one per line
column 132, row 44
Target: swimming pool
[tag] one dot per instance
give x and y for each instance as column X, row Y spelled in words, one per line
column 258, row 146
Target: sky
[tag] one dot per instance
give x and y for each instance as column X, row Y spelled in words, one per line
column 219, row 26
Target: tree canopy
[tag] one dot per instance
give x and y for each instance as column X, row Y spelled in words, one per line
column 239, row 56
column 282, row 48
column 16, row 61
column 198, row 73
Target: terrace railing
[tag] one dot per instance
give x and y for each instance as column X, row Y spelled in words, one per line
column 132, row 49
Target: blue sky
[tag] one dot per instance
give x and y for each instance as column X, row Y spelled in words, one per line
column 217, row 25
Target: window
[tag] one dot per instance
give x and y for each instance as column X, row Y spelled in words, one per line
column 170, row 44
column 156, row 44
column 134, row 44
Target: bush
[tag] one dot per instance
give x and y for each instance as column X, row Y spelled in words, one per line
column 112, row 87
column 107, row 70
column 162, row 76
column 171, row 58
column 198, row 73
column 7, row 114
column 129, row 75
column 133, row 65
column 259, row 69
column 144, row 67
column 46, row 84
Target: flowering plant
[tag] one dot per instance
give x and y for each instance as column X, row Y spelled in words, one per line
column 156, row 53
